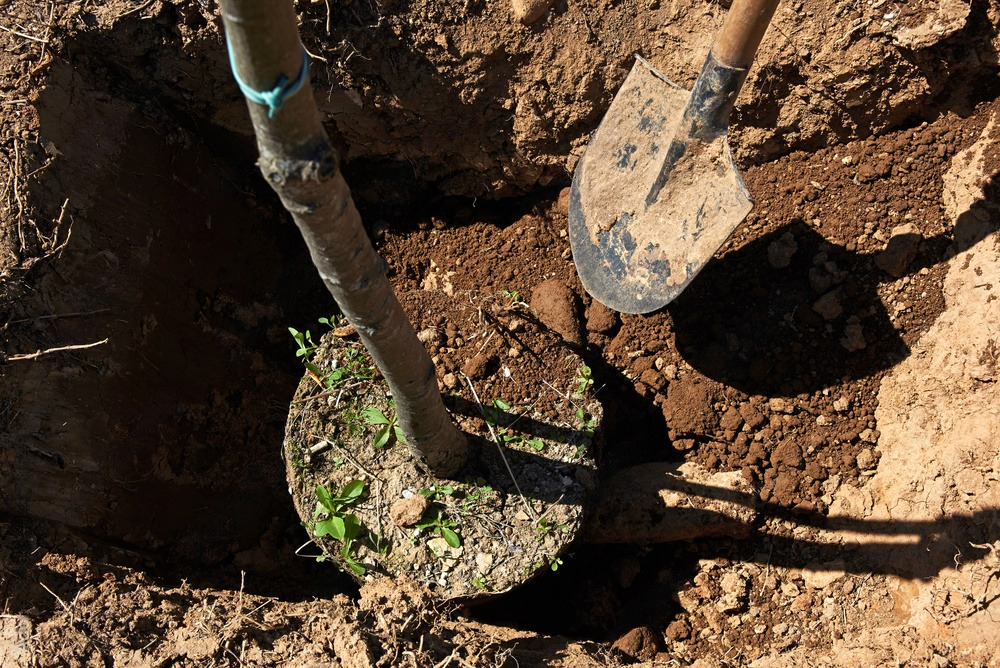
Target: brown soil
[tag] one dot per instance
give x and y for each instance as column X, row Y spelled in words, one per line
column 840, row 352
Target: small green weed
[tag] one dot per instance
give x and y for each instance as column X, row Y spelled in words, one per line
column 333, row 322
column 493, row 412
column 441, row 526
column 353, row 368
column 546, row 526
column 388, row 428
column 589, row 422
column 338, row 523
column 305, row 343
column 584, row 379
column 435, row 490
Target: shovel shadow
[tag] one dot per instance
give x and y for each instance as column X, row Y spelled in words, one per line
column 762, row 329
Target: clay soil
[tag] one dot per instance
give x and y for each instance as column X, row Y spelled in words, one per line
column 840, row 352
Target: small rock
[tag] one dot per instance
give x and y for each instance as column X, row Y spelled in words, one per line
column 823, row 421
column 562, row 206
column 653, row 379
column 854, row 337
column 484, row 562
column 407, row 512
column 869, row 436
column 670, row 372
column 819, row 280
column 689, row 408
column 900, row 251
column 788, row 453
column 529, row 11
column 556, row 306
column 779, row 405
column 841, row 404
column 678, row 630
column 640, row 644
column 829, row 305
column 734, row 592
column 866, row 459
column 429, row 335
column 450, row 381
column 601, row 319
column 802, row 602
column 515, row 325
column 478, row 367
column 780, row 252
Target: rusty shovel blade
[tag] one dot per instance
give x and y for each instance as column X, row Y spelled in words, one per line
column 656, row 193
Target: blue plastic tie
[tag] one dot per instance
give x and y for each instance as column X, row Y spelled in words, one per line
column 275, row 98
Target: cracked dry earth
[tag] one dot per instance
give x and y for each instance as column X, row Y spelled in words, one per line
column 839, row 357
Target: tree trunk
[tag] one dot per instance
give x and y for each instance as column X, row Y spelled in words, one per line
column 298, row 161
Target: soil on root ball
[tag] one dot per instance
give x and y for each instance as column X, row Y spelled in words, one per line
column 526, row 404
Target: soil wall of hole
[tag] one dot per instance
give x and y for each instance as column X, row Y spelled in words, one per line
column 167, row 435
column 430, row 97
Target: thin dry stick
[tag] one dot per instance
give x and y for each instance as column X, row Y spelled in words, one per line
column 76, row 314
column 24, row 35
column 136, row 9
column 496, row 440
column 36, row 355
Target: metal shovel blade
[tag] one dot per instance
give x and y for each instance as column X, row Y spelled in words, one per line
column 636, row 256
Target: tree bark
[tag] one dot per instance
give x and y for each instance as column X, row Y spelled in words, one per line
column 302, row 167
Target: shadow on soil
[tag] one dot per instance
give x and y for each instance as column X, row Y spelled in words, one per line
column 749, row 325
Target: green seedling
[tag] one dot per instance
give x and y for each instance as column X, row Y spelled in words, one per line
column 305, row 343
column 508, row 436
column 388, row 429
column 556, row 563
column 546, row 526
column 584, row 379
column 435, row 490
column 479, row 582
column 333, row 322
column 588, row 422
column 512, row 299
column 441, row 526
column 338, row 523
column 353, row 368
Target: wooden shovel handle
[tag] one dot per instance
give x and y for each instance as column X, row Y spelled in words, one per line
column 740, row 36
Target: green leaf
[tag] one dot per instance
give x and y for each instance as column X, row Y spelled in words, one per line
column 352, row 526
column 450, row 537
column 333, row 527
column 355, row 567
column 374, row 416
column 353, row 490
column 501, row 404
column 312, row 367
column 536, row 444
column 325, row 500
column 382, row 437
column 397, row 431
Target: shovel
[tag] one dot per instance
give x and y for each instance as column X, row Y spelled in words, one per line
column 656, row 193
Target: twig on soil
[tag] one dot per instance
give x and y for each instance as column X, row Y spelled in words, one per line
column 853, row 29
column 349, row 458
column 36, row 355
column 527, row 506
column 52, row 316
column 45, row 37
column 40, row 40
column 136, row 9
